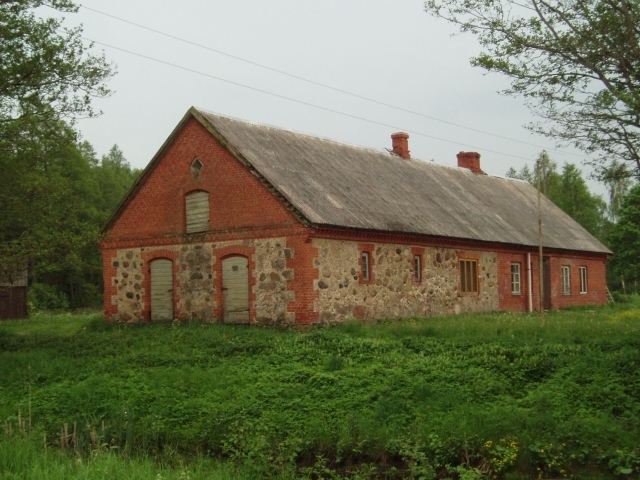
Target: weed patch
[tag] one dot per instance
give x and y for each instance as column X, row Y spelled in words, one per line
column 473, row 396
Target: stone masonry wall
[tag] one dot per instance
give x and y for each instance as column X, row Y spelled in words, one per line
column 128, row 283
column 195, row 284
column 198, row 280
column 393, row 293
column 271, row 273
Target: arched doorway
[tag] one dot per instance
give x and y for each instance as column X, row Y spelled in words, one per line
column 235, row 289
column 161, row 290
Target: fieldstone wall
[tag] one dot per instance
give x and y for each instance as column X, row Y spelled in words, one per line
column 487, row 299
column 393, row 293
column 197, row 281
column 128, row 281
column 271, row 274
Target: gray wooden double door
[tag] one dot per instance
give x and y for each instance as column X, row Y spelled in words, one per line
column 235, row 289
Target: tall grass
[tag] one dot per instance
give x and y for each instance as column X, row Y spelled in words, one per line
column 22, row 459
column 401, row 397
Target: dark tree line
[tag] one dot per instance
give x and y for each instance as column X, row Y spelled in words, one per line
column 54, row 192
column 56, row 200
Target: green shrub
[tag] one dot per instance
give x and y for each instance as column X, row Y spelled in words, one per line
column 335, row 363
column 434, row 398
column 620, row 297
column 88, row 295
column 47, row 297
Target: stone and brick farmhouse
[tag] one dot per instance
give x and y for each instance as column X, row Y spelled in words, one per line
column 245, row 223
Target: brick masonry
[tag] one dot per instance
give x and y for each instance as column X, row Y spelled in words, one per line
column 298, row 274
column 596, row 281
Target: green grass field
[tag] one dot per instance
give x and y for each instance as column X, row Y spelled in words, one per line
column 467, row 397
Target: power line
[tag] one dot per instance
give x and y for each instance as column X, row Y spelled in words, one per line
column 313, row 82
column 302, row 102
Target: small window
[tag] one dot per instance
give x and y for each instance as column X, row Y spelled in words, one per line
column 197, row 212
column 417, row 268
column 365, row 266
column 583, row 279
column 196, row 166
column 469, row 276
column 516, row 283
column 566, row 280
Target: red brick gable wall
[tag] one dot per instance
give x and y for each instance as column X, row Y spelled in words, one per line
column 237, row 198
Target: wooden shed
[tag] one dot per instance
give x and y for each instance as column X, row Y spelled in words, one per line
column 13, row 292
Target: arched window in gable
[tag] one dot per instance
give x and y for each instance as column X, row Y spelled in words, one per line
column 197, row 208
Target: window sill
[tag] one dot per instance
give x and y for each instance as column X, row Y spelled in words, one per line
column 519, row 294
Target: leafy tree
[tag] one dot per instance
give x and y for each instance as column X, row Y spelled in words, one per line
column 548, row 173
column 61, row 197
column 48, row 198
column 114, row 176
column 524, row 173
column 575, row 62
column 46, row 74
column 569, row 191
column 618, row 183
column 624, row 238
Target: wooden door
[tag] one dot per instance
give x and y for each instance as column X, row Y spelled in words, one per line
column 5, row 303
column 13, row 302
column 235, row 289
column 162, row 290
column 546, row 272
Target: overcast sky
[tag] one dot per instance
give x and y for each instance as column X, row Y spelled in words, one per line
column 387, row 50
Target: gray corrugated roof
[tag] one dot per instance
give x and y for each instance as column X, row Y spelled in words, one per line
column 333, row 184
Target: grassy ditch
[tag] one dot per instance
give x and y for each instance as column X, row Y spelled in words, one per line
column 467, row 397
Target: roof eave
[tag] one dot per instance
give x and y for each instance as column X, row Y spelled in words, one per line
column 319, row 227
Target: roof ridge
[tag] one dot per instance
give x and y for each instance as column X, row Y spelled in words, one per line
column 384, row 151
column 305, row 134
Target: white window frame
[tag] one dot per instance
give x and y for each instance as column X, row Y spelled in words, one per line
column 516, row 279
column 566, row 280
column 417, row 268
column 366, row 274
column 583, row 280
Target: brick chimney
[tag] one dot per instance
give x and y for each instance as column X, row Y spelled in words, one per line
column 470, row 160
column 400, row 142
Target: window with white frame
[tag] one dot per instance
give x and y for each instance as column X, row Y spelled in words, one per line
column 583, row 279
column 417, row 268
column 516, row 279
column 566, row 280
column 365, row 266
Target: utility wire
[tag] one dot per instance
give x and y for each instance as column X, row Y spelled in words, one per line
column 313, row 82
column 302, row 102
